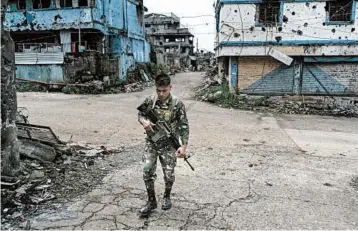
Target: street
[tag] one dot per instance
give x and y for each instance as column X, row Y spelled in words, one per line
column 252, row 170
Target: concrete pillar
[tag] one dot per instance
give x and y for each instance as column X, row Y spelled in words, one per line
column 74, row 3
column 10, row 157
column 220, row 62
column 297, row 81
column 233, row 73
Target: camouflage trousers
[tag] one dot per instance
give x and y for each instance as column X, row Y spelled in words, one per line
column 167, row 158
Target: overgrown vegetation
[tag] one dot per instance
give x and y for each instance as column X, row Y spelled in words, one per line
column 30, row 87
column 159, row 68
column 220, row 95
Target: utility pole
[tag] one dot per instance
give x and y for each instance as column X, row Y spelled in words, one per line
column 197, row 44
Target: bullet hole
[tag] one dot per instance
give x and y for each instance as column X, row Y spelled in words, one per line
column 314, row 7
column 305, row 25
column 263, row 29
column 285, row 19
column 299, row 32
column 278, row 38
column 248, row 13
column 57, row 17
column 324, row 24
column 353, row 29
column 339, row 37
column 252, row 28
column 236, row 35
column 333, row 30
column 280, row 29
column 346, row 37
column 293, row 13
column 235, row 11
column 307, row 4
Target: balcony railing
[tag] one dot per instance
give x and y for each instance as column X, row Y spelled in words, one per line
column 51, row 47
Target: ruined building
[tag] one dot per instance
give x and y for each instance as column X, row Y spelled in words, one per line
column 288, row 47
column 172, row 45
column 56, row 40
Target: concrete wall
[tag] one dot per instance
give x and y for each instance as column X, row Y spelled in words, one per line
column 95, row 65
column 306, row 25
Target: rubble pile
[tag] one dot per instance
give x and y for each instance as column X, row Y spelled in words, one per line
column 87, row 83
column 211, row 79
column 51, row 171
column 213, row 90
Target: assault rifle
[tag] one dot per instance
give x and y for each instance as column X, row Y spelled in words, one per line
column 163, row 129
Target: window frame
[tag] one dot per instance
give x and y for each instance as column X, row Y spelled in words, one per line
column 351, row 21
column 263, row 24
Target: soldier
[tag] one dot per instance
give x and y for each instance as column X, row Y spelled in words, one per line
column 172, row 110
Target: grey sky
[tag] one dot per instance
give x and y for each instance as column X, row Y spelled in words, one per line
column 183, row 8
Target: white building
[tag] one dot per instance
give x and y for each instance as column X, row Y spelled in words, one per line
column 288, row 46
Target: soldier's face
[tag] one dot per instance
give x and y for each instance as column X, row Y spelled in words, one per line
column 163, row 92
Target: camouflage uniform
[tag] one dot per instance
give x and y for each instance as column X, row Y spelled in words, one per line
column 173, row 111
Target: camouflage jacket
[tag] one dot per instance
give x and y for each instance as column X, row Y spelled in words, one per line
column 174, row 113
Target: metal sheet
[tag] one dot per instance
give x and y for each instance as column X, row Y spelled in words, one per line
column 39, row 58
column 46, row 73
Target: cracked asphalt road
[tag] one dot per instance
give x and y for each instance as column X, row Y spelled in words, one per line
column 252, row 171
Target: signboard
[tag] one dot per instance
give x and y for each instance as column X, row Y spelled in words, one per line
column 280, row 56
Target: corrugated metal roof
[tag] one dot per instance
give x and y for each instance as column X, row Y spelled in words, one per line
column 39, row 58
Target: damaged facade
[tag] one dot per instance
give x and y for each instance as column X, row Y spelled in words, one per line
column 172, row 45
column 58, row 40
column 288, row 47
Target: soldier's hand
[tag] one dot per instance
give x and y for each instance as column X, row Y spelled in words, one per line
column 148, row 125
column 181, row 152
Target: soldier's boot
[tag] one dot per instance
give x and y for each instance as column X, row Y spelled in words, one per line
column 152, row 201
column 167, row 204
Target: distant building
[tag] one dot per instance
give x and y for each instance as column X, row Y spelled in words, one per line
column 288, row 47
column 55, row 39
column 172, row 45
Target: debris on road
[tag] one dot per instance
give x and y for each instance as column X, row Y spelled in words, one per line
column 137, row 79
column 51, row 170
column 214, row 90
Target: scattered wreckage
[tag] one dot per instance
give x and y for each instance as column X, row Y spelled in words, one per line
column 215, row 90
column 51, row 169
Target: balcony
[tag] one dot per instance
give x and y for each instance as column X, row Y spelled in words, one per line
column 50, row 19
column 180, row 31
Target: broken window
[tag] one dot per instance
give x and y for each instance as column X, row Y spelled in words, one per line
column 66, row 3
column 268, row 12
column 140, row 14
column 21, row 5
column 41, row 4
column 339, row 10
column 82, row 3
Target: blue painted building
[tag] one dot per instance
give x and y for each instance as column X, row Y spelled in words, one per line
column 288, row 46
column 44, row 31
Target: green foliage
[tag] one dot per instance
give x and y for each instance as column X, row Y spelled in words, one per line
column 30, row 87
